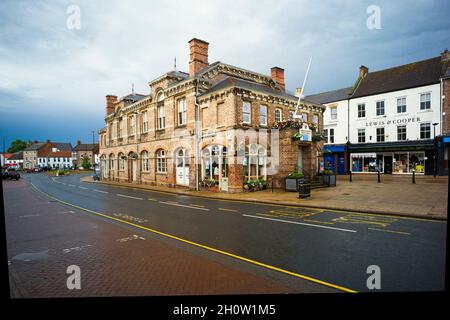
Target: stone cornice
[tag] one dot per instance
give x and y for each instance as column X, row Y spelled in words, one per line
column 239, row 73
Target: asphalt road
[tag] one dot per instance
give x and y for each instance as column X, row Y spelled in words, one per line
column 327, row 246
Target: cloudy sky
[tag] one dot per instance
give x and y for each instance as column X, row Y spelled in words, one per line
column 53, row 79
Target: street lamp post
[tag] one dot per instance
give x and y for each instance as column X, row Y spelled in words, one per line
column 435, row 149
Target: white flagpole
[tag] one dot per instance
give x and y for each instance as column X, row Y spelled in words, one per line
column 303, row 89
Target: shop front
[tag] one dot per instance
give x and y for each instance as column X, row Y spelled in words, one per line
column 334, row 158
column 393, row 158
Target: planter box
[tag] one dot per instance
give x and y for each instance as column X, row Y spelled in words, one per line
column 291, row 184
column 329, row 180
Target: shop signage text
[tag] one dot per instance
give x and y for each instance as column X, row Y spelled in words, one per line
column 395, row 121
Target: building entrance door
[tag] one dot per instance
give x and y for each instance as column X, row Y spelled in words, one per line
column 388, row 164
column 182, row 169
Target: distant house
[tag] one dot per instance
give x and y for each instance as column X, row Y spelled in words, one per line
column 85, row 150
column 3, row 158
column 15, row 161
column 48, row 154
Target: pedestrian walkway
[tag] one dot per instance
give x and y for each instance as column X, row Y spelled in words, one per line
column 393, row 195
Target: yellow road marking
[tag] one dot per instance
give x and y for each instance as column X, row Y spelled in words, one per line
column 261, row 264
column 151, row 199
column 225, row 209
column 276, row 205
column 317, row 221
column 390, row 231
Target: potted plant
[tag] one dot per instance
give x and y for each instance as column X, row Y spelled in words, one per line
column 329, row 178
column 292, row 180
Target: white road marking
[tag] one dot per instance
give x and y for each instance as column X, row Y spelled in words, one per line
column 301, row 223
column 29, row 215
column 134, row 237
column 71, row 185
column 100, row 191
column 76, row 248
column 83, row 188
column 182, row 205
column 122, row 195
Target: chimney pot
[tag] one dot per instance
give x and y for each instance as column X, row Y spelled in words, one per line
column 198, row 56
column 110, row 101
column 445, row 56
column 363, row 71
column 277, row 75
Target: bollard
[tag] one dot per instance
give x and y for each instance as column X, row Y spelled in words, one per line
column 414, row 177
column 379, row 180
column 351, row 176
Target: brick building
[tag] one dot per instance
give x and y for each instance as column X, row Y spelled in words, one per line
column 85, row 150
column 445, row 140
column 217, row 124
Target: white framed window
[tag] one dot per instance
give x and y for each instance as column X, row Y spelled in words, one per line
column 291, row 115
column 380, row 135
column 304, row 117
column 331, row 135
column 361, row 135
column 333, row 113
column 401, row 105
column 182, row 117
column 278, row 115
column 425, row 130
column 121, row 162
column 121, row 128
column 144, row 122
column 144, row 159
column 132, row 124
column 380, row 108
column 161, row 117
column 161, row 161
column 246, row 112
column 263, row 115
column 361, row 110
column 425, row 101
column 401, row 133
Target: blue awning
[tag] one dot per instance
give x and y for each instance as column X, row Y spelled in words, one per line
column 446, row 139
column 335, row 148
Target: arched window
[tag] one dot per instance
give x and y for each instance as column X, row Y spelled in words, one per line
column 121, row 161
column 161, row 123
column 255, row 162
column 111, row 162
column 144, row 159
column 278, row 115
column 161, row 161
column 215, row 163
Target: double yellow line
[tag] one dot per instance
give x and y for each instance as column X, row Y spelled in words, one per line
column 267, row 266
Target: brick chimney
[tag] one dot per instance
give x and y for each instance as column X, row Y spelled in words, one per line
column 277, row 75
column 198, row 59
column 78, row 142
column 363, row 71
column 110, row 101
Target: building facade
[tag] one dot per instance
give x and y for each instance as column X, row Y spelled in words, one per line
column 15, row 161
column 48, row 155
column 388, row 120
column 217, row 125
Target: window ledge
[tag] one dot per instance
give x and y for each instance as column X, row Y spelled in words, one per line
column 425, row 110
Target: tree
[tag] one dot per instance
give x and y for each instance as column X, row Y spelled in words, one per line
column 16, row 146
column 85, row 163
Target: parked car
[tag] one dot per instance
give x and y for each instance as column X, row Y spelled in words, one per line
column 11, row 175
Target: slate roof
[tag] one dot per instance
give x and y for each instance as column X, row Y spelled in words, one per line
column 17, row 156
column 85, row 147
column 330, row 96
column 134, row 97
column 35, row 146
column 63, row 146
column 230, row 81
column 406, row 76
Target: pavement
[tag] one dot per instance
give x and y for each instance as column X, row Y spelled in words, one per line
column 394, row 195
column 300, row 249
